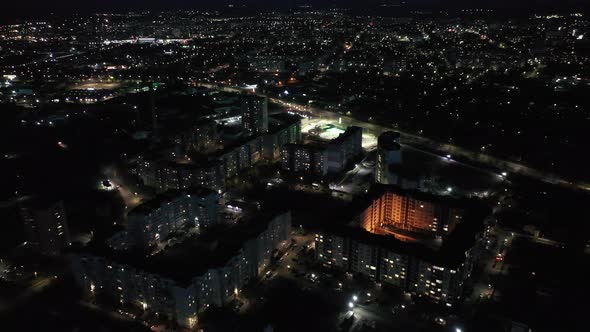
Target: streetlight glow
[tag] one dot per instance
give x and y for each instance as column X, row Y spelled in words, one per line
column 350, row 305
column 355, row 298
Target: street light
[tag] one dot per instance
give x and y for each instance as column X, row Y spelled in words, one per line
column 355, row 298
column 350, row 305
column 458, row 330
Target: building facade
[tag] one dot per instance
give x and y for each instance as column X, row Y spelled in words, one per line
column 167, row 175
column 343, row 149
column 389, row 153
column 202, row 136
column 411, row 212
column 304, row 159
column 46, row 226
column 240, row 156
column 254, row 111
column 182, row 299
column 284, row 129
column 442, row 282
column 172, row 212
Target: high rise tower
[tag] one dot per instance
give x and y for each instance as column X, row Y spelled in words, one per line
column 254, row 114
column 388, row 153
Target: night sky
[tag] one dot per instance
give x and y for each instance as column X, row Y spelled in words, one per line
column 13, row 9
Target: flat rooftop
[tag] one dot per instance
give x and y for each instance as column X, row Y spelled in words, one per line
column 194, row 256
column 450, row 253
column 168, row 196
column 346, row 134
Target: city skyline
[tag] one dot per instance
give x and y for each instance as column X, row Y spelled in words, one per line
column 261, row 166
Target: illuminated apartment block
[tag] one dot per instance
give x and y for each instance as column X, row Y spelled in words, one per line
column 283, row 129
column 304, row 159
column 382, row 258
column 415, row 241
column 174, row 211
column 182, row 281
column 167, row 175
column 254, row 111
column 408, row 212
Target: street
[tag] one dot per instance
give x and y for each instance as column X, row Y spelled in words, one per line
column 421, row 142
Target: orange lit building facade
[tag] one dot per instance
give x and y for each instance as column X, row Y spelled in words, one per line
column 403, row 214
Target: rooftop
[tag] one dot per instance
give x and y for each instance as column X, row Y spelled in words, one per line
column 313, row 147
column 194, row 256
column 345, row 135
column 168, row 196
column 281, row 121
column 388, row 139
column 450, row 254
column 451, row 251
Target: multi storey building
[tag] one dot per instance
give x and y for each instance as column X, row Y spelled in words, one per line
column 415, row 241
column 396, row 210
column 240, row 155
column 202, row 136
column 168, row 175
column 304, row 159
column 182, row 281
column 439, row 275
column 389, row 154
column 343, row 149
column 254, row 111
column 46, row 225
column 283, row 129
column 174, row 211
column 210, row 171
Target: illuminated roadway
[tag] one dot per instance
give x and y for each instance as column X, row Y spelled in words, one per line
column 418, row 142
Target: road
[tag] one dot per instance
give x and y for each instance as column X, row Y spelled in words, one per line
column 37, row 285
column 424, row 143
column 132, row 195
